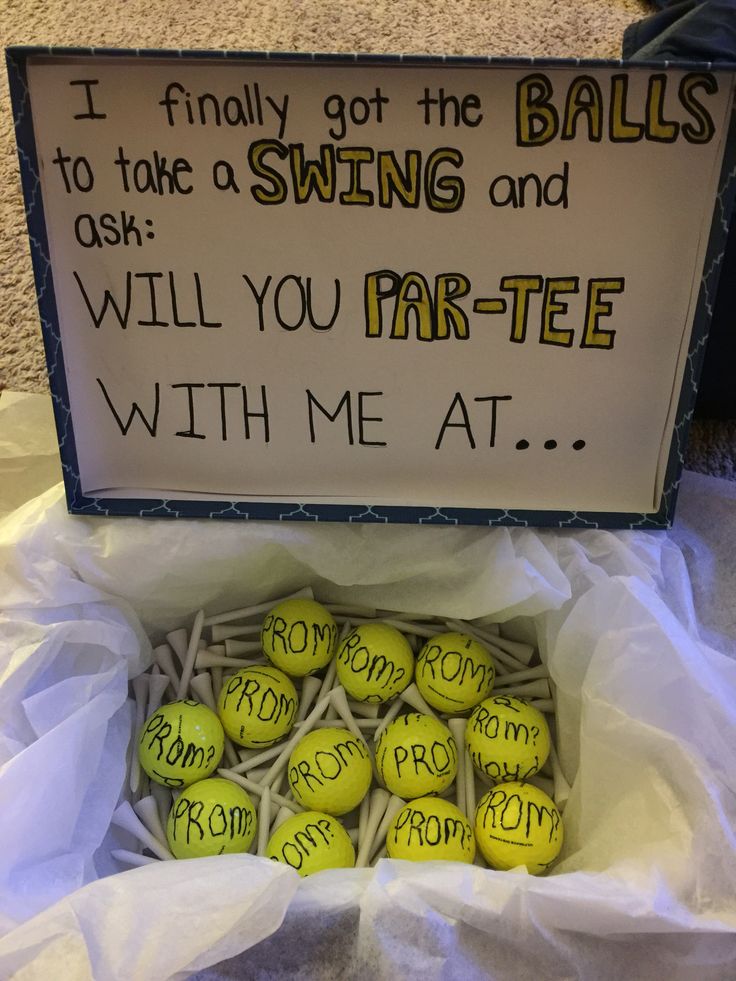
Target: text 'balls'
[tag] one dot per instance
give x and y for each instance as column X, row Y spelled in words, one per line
column 330, row 770
column 454, row 672
column 212, row 817
column 311, row 842
column 430, row 829
column 518, row 824
column 507, row 739
column 374, row 662
column 416, row 756
column 299, row 636
column 257, row 706
column 181, row 742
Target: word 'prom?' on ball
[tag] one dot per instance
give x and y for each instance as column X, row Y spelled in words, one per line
column 375, row 662
column 180, row 743
column 518, row 824
column 212, row 817
column 416, row 755
column 431, row 829
column 454, row 672
column 507, row 739
column 330, row 770
column 257, row 706
column 299, row 636
column 310, row 842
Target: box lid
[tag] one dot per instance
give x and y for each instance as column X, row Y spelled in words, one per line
column 361, row 288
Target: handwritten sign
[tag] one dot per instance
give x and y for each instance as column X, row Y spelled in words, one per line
column 402, row 285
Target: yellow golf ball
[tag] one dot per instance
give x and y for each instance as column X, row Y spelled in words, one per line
column 507, row 739
column 181, row 742
column 374, row 663
column 518, row 824
column 310, row 842
column 299, row 636
column 257, row 706
column 212, row 817
column 430, row 829
column 416, row 756
column 454, row 672
column 330, row 770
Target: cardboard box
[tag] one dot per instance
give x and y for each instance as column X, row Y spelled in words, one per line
column 373, row 289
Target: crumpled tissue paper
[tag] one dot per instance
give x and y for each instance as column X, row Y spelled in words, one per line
column 646, row 884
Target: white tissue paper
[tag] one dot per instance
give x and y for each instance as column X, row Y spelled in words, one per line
column 646, row 885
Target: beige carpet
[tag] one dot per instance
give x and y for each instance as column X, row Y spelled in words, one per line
column 563, row 28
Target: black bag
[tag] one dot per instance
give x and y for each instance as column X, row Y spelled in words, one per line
column 700, row 30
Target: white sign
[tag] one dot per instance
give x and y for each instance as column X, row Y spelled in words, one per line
column 401, row 285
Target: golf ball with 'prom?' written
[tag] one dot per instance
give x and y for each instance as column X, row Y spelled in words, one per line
column 330, row 770
column 299, row 636
column 416, row 756
column 212, row 817
column 374, row 662
column 430, row 829
column 181, row 742
column 257, row 706
column 507, row 739
column 454, row 672
column 518, row 824
column 311, row 842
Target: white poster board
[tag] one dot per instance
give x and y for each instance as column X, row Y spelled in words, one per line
column 410, row 286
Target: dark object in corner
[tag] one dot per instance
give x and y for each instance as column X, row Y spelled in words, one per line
column 717, row 390
column 700, row 30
